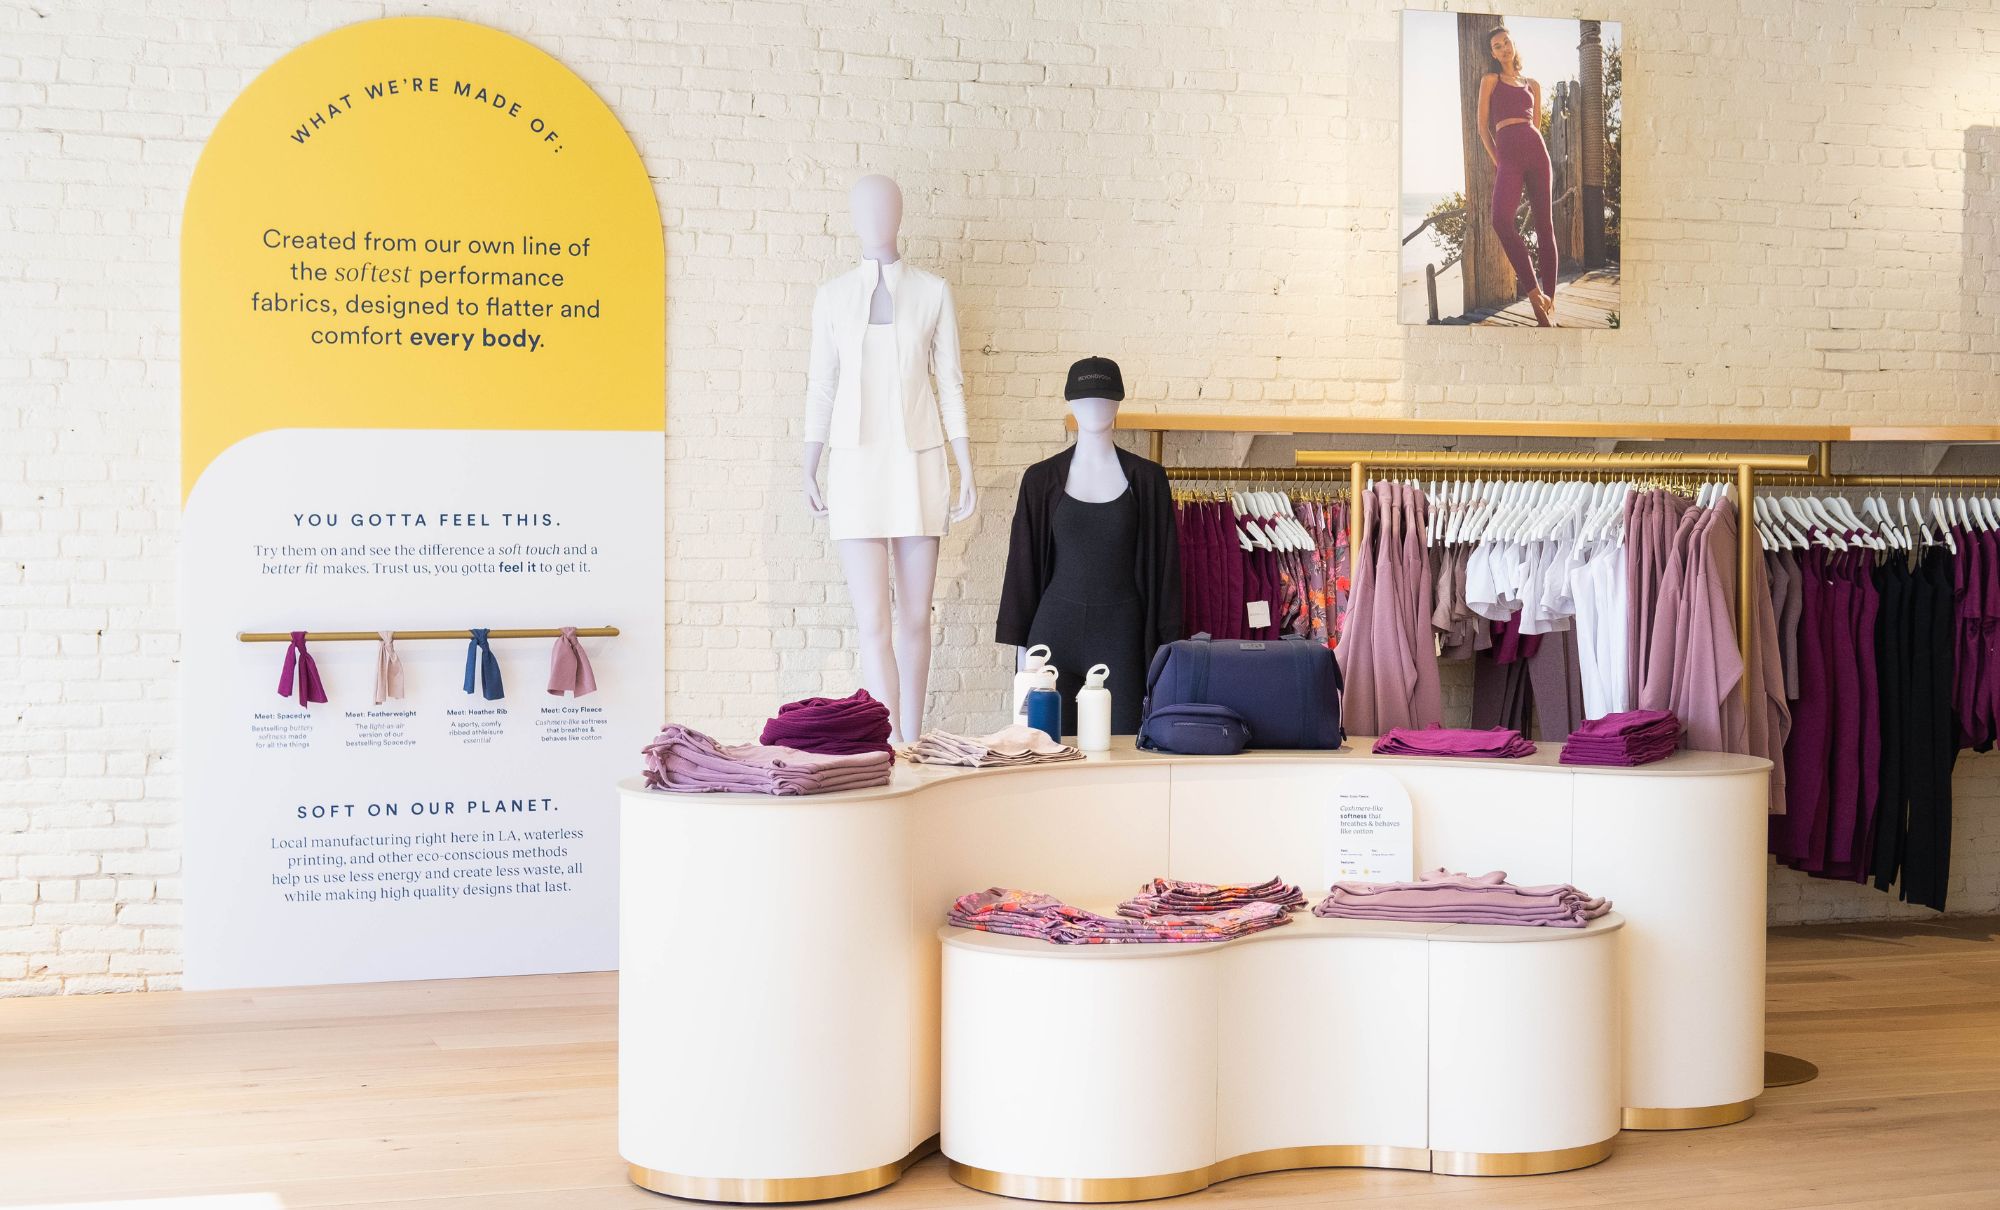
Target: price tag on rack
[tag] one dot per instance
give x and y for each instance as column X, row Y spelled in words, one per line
column 1373, row 832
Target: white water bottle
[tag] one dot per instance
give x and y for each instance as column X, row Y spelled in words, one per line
column 1093, row 711
column 1035, row 673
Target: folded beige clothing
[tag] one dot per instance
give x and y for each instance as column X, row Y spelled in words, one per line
column 1009, row 746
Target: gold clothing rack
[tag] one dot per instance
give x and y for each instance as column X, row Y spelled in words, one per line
column 369, row 636
column 1254, row 474
column 1745, row 466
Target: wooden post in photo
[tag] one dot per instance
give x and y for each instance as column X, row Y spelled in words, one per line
column 1564, row 154
column 1488, row 278
column 1592, row 134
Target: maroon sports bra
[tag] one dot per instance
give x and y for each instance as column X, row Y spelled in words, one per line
column 1509, row 101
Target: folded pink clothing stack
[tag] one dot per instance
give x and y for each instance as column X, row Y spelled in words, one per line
column 841, row 726
column 685, row 761
column 1454, row 741
column 1629, row 737
column 1172, row 897
column 1046, row 918
column 1442, row 897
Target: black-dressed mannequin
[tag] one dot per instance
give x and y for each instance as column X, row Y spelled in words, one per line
column 1093, row 565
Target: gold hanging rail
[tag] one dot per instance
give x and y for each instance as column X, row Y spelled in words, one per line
column 1914, row 479
column 369, row 636
column 1555, row 460
column 1255, row 474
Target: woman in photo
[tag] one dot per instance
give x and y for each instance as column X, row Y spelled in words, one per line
column 1510, row 113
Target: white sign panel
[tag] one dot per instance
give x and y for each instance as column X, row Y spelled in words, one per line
column 1374, row 834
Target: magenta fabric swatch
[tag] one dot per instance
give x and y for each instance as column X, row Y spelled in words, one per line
column 569, row 667
column 299, row 666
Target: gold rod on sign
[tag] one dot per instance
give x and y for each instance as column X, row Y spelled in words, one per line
column 369, row 636
column 1550, row 460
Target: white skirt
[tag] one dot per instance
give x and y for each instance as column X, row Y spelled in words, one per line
column 882, row 488
column 882, row 491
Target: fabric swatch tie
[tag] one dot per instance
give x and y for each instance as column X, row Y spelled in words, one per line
column 298, row 660
column 569, row 667
column 388, row 669
column 479, row 663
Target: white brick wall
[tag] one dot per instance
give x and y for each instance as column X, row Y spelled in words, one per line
column 1203, row 190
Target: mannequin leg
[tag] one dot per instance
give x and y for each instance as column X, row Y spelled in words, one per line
column 916, row 579
column 865, row 563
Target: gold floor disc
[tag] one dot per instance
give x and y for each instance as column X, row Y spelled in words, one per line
column 1783, row 1071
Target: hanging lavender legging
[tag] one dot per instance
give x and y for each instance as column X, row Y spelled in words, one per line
column 1524, row 163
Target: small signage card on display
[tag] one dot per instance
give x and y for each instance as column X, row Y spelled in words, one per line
column 1259, row 615
column 1373, row 837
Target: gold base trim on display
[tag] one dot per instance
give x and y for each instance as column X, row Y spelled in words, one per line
column 1783, row 1071
column 1279, row 1159
column 1700, row 1117
column 776, row 1189
column 1520, row 1163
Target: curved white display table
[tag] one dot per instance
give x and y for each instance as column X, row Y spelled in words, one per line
column 1112, row 1073
column 779, row 963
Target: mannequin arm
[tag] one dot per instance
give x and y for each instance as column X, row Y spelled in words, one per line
column 815, row 502
column 968, row 493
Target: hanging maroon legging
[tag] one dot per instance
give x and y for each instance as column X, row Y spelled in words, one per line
column 1524, row 164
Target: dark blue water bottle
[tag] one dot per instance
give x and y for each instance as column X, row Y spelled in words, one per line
column 1045, row 712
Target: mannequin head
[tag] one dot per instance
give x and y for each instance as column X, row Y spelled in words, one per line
column 1094, row 388
column 1094, row 415
column 877, row 208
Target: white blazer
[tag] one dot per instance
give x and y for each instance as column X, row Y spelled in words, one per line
column 926, row 347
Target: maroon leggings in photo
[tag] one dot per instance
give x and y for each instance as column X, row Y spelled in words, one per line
column 1524, row 164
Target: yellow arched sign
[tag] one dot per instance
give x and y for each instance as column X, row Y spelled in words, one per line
column 423, row 375
column 418, row 223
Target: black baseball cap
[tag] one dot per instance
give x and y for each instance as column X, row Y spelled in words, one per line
column 1095, row 378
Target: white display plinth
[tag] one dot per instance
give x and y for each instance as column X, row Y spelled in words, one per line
column 779, row 986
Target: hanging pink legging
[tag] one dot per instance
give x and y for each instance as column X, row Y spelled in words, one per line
column 1524, row 164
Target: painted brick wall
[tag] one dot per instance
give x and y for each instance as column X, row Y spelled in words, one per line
column 1204, row 190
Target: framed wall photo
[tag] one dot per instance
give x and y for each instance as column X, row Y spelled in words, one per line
column 1510, row 204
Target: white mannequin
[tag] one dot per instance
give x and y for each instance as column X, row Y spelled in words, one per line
column 1094, row 474
column 895, row 660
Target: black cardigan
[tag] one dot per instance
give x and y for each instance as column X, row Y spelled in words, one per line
column 1031, row 551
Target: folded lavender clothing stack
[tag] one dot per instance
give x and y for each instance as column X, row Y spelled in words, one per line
column 1442, row 897
column 1046, row 918
column 1630, row 737
column 1454, row 741
column 684, row 760
column 1172, row 897
column 1006, row 748
column 840, row 726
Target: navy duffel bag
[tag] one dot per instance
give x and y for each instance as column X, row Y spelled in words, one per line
column 1287, row 690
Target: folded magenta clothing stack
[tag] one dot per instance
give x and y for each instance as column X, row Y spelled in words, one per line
column 1454, row 741
column 1009, row 747
column 839, row 726
column 1442, row 897
column 1046, row 918
column 1630, row 737
column 1172, row 897
column 685, row 761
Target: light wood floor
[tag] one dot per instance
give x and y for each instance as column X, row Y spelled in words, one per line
column 500, row 1093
